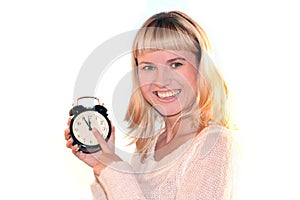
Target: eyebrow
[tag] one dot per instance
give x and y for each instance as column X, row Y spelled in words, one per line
column 168, row 61
column 146, row 63
column 174, row 59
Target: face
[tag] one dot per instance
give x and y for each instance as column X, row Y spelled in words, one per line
column 168, row 80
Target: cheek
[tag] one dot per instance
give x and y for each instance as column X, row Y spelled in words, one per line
column 145, row 90
column 193, row 84
column 145, row 82
column 145, row 78
column 190, row 78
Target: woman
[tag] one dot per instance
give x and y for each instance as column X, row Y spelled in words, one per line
column 179, row 120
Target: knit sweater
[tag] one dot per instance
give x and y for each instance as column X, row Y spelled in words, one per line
column 202, row 168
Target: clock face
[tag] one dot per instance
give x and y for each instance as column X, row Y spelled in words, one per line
column 85, row 122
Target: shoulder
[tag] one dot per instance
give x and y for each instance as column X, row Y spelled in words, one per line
column 215, row 140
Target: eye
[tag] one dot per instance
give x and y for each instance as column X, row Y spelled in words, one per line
column 176, row 65
column 148, row 67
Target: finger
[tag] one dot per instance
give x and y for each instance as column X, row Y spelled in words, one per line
column 101, row 141
column 69, row 143
column 67, row 134
column 111, row 141
column 78, row 153
column 75, row 149
column 69, row 121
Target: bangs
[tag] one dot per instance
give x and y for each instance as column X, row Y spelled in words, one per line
column 151, row 39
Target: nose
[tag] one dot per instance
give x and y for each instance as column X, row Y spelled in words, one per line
column 163, row 76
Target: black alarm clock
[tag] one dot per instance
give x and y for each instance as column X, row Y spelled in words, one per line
column 84, row 120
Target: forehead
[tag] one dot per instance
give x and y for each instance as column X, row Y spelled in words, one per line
column 155, row 39
column 163, row 56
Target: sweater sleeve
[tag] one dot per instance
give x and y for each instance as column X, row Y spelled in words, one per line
column 119, row 182
column 97, row 191
column 211, row 173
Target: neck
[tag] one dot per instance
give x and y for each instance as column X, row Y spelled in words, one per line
column 176, row 126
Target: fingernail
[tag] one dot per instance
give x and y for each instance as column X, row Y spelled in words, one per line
column 77, row 149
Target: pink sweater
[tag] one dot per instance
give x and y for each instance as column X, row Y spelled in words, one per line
column 202, row 168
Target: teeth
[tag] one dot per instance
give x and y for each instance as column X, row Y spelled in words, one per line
column 167, row 94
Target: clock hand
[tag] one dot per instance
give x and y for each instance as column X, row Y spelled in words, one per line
column 85, row 121
column 88, row 123
column 90, row 128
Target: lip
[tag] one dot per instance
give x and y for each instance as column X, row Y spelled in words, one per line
column 167, row 96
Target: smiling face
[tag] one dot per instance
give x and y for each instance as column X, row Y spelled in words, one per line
column 168, row 80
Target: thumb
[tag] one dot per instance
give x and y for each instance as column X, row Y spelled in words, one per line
column 101, row 141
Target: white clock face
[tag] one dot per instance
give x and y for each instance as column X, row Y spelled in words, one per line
column 85, row 122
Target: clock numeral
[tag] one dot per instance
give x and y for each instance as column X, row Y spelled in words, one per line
column 78, row 123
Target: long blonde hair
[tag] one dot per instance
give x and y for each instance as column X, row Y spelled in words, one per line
column 176, row 31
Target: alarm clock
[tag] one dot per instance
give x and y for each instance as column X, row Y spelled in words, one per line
column 84, row 120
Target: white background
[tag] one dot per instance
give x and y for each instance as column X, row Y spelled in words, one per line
column 44, row 43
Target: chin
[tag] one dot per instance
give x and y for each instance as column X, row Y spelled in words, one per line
column 167, row 112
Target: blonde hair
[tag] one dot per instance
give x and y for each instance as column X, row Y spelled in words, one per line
column 176, row 31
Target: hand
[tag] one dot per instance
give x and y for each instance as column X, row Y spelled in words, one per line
column 90, row 159
column 100, row 159
column 107, row 155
